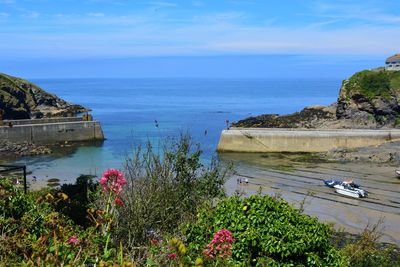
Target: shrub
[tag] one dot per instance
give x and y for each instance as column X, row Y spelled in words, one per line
column 365, row 251
column 163, row 190
column 80, row 197
column 267, row 231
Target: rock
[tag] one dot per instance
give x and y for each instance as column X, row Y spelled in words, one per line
column 368, row 99
column 385, row 153
column 22, row 149
column 20, row 99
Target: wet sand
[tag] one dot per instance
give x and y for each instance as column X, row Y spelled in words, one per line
column 296, row 178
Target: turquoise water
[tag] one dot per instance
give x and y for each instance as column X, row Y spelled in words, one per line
column 131, row 109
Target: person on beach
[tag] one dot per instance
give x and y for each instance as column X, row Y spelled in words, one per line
column 1, row 117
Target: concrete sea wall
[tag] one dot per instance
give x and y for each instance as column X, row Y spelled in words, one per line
column 42, row 121
column 53, row 132
column 301, row 140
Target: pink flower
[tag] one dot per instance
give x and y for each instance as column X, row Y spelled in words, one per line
column 172, row 256
column 220, row 245
column 112, row 180
column 73, row 240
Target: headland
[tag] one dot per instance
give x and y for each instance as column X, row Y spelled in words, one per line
column 30, row 117
column 366, row 114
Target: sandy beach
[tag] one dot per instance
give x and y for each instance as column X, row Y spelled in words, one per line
column 294, row 180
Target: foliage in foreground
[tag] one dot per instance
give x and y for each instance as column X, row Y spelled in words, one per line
column 169, row 210
column 267, row 231
column 34, row 233
column 366, row 251
column 165, row 190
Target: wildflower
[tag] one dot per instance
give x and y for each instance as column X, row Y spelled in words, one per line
column 112, row 180
column 118, row 202
column 220, row 245
column 198, row 262
column 182, row 249
column 172, row 256
column 63, row 196
column 173, row 241
column 49, row 197
column 73, row 240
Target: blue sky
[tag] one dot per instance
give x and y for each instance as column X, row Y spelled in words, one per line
column 88, row 34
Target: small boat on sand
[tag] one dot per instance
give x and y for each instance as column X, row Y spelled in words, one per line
column 350, row 191
column 397, row 173
column 347, row 188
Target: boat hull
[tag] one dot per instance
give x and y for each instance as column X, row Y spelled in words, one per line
column 349, row 193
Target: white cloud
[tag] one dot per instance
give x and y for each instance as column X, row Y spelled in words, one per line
column 162, row 4
column 30, row 14
column 146, row 33
column 7, row 1
column 96, row 14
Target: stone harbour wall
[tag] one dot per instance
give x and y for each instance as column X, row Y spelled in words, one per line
column 301, row 140
column 48, row 133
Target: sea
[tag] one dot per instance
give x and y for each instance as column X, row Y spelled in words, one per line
column 133, row 112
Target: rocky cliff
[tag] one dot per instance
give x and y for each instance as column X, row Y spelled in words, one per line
column 369, row 99
column 20, row 99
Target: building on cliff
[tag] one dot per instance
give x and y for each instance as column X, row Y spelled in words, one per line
column 393, row 62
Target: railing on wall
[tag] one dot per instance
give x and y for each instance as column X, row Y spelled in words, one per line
column 12, row 168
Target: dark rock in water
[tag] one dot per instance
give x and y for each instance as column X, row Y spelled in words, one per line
column 53, row 184
column 21, row 149
column 20, row 99
column 53, row 180
column 369, row 99
column 310, row 117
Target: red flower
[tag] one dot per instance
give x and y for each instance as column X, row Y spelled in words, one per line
column 172, row 256
column 118, row 202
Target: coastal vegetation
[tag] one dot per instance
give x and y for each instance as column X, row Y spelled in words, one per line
column 21, row 99
column 168, row 210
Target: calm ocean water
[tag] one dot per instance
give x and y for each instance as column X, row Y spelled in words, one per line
column 131, row 109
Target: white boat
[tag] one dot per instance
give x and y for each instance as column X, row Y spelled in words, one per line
column 350, row 191
column 397, row 173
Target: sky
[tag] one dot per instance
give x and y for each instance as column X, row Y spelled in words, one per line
column 249, row 38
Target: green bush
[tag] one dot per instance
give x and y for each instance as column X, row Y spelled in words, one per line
column 164, row 190
column 366, row 251
column 80, row 198
column 33, row 233
column 267, row 232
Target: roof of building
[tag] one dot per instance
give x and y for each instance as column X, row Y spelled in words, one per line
column 395, row 57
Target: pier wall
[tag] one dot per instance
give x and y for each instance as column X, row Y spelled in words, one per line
column 42, row 121
column 54, row 132
column 301, row 140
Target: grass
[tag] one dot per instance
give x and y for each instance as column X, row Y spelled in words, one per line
column 374, row 84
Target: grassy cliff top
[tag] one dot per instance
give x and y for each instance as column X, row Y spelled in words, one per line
column 374, row 83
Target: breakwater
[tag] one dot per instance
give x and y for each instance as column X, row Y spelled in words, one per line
column 301, row 140
column 48, row 131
